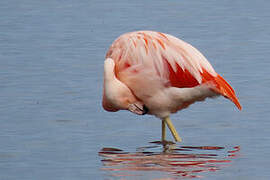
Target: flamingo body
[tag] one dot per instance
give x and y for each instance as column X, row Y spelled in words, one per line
column 160, row 73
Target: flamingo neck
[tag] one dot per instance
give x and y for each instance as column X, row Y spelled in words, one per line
column 109, row 73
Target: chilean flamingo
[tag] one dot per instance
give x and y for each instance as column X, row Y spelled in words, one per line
column 149, row 72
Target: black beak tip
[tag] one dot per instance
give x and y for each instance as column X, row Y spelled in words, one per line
column 145, row 110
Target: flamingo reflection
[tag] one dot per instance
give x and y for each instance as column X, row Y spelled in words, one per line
column 183, row 161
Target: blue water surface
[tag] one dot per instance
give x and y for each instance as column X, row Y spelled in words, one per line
column 51, row 76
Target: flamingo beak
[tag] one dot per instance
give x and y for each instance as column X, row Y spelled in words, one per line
column 138, row 108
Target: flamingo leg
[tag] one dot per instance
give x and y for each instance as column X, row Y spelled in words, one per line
column 163, row 138
column 168, row 121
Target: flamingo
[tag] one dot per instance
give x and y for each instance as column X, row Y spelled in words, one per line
column 148, row 72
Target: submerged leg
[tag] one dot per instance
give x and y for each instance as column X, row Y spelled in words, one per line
column 168, row 121
column 163, row 131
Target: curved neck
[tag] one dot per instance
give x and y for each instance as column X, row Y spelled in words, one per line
column 109, row 73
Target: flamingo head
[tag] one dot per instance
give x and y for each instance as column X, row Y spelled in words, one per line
column 116, row 95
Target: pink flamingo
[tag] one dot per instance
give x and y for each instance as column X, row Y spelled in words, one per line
column 159, row 74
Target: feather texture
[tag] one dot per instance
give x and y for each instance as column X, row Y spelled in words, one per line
column 151, row 63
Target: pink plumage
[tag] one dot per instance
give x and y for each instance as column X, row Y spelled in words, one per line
column 160, row 73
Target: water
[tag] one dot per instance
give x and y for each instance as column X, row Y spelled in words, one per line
column 51, row 67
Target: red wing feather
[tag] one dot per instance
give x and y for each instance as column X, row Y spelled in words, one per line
column 183, row 79
column 226, row 90
column 222, row 87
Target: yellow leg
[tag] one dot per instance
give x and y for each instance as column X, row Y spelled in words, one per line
column 163, row 131
column 168, row 121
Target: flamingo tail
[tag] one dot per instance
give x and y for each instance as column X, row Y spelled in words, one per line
column 226, row 90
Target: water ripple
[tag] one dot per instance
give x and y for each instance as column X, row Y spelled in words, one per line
column 175, row 161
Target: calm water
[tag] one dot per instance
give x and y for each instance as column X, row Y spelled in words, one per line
column 51, row 67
